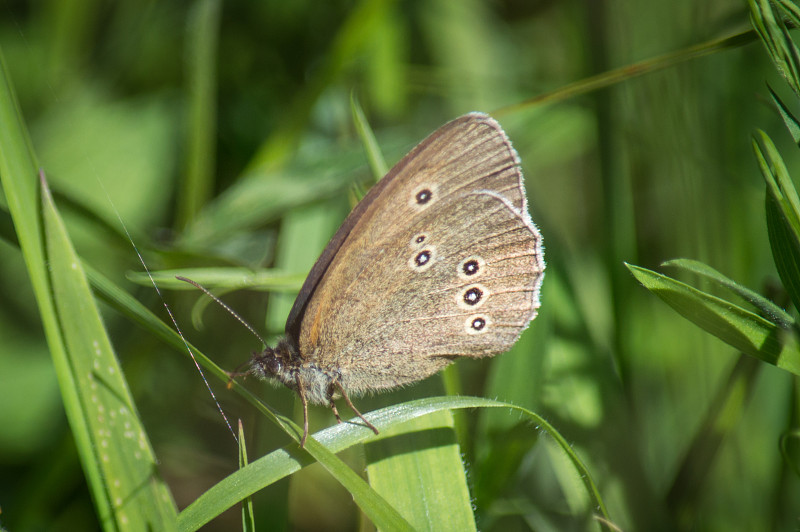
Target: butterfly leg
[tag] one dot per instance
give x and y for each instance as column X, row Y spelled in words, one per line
column 302, row 392
column 332, row 404
column 354, row 409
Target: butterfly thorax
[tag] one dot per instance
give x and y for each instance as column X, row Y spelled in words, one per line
column 284, row 364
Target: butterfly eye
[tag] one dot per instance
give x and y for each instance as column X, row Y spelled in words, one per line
column 422, row 258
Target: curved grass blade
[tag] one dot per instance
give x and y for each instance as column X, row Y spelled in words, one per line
column 766, row 308
column 734, row 325
column 775, row 36
column 286, row 461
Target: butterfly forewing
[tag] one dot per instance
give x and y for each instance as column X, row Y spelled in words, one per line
column 468, row 153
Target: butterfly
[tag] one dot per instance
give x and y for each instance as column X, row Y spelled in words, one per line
column 440, row 260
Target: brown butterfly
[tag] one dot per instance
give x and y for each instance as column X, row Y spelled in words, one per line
column 440, row 260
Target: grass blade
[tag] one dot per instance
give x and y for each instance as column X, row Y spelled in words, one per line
column 734, row 325
column 417, row 466
column 783, row 214
column 115, row 441
column 248, row 518
column 197, row 184
column 376, row 160
column 117, row 460
column 766, row 308
column 283, row 462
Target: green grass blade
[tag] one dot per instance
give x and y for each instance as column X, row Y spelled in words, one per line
column 631, row 71
column 766, row 308
column 116, row 440
column 117, row 461
column 374, row 155
column 264, row 197
column 778, row 42
column 283, row 462
column 788, row 118
column 783, row 215
column 272, row 280
column 248, row 518
column 791, row 10
column 785, row 248
column 417, row 465
column 734, row 325
column 197, row 183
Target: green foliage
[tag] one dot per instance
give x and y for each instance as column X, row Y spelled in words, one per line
column 226, row 139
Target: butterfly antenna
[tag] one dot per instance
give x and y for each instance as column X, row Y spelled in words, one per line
column 223, row 305
column 169, row 311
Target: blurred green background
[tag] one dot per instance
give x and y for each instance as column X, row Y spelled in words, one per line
column 116, row 96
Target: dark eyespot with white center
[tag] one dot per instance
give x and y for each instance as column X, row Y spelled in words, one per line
column 417, row 240
column 478, row 324
column 471, row 267
column 424, row 196
column 422, row 259
column 472, row 296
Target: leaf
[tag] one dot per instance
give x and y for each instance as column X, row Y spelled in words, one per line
column 417, row 466
column 116, row 438
column 231, row 278
column 117, row 460
column 734, row 325
column 788, row 118
column 283, row 462
column 783, row 215
column 376, row 160
column 248, row 518
column 767, row 309
column 776, row 39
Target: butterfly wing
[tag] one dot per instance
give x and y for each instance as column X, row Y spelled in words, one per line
column 441, row 261
column 445, row 153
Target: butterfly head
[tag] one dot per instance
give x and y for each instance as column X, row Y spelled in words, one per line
column 278, row 363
